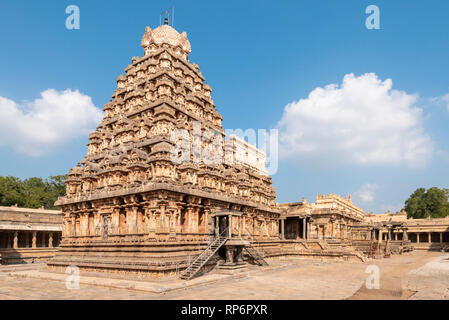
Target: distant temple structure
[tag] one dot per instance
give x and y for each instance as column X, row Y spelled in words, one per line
column 163, row 191
column 28, row 235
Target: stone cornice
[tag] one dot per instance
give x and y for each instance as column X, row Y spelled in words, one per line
column 168, row 187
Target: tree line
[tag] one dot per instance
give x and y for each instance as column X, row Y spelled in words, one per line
column 32, row 192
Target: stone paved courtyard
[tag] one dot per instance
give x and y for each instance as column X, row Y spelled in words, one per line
column 420, row 275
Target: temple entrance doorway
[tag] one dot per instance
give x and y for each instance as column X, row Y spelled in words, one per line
column 222, row 224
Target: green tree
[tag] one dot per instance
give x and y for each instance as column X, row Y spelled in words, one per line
column 11, row 191
column 31, row 193
column 415, row 205
column 432, row 203
column 55, row 189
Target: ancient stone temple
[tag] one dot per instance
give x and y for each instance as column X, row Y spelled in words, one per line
column 28, row 235
column 161, row 185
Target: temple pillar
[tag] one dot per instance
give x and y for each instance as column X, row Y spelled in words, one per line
column 206, row 214
column 151, row 221
column 50, row 240
column 417, row 237
column 217, row 229
column 239, row 218
column 115, row 220
column 332, row 228
column 33, row 239
column 131, row 220
column 441, row 237
column 239, row 257
column 84, row 224
column 282, row 229
column 178, row 220
column 304, row 228
column 230, row 226
column 395, row 236
column 229, row 255
column 77, row 225
column 16, row 240
column 404, row 234
column 73, row 232
column 189, row 219
column 97, row 224
column 429, row 237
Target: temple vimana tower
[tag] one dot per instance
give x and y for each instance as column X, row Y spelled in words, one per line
column 130, row 208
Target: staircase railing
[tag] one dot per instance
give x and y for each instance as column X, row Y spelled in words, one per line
column 257, row 256
column 200, row 260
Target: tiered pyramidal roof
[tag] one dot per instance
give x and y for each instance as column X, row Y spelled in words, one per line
column 131, row 148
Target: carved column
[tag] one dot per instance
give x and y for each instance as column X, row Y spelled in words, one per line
column 195, row 219
column 282, row 229
column 50, row 240
column 33, row 240
column 77, row 225
column 239, row 225
column 429, row 237
column 239, row 255
column 178, row 220
column 73, row 232
column 151, row 223
column 16, row 240
column 189, row 219
column 115, row 220
column 162, row 221
column 309, row 227
column 304, row 228
column 172, row 223
column 217, row 230
column 229, row 255
column 207, row 227
column 131, row 219
column 84, row 223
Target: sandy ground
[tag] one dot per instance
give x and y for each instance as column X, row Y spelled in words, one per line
column 430, row 281
column 419, row 275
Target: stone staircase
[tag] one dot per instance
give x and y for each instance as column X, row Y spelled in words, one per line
column 204, row 256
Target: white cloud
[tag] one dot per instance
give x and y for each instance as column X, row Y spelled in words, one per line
column 366, row 193
column 53, row 119
column 445, row 99
column 363, row 121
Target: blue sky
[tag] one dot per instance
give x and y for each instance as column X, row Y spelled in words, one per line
column 258, row 57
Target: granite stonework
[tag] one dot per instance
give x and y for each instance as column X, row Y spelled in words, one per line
column 28, row 235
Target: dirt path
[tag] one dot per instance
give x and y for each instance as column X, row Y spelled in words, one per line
column 391, row 274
